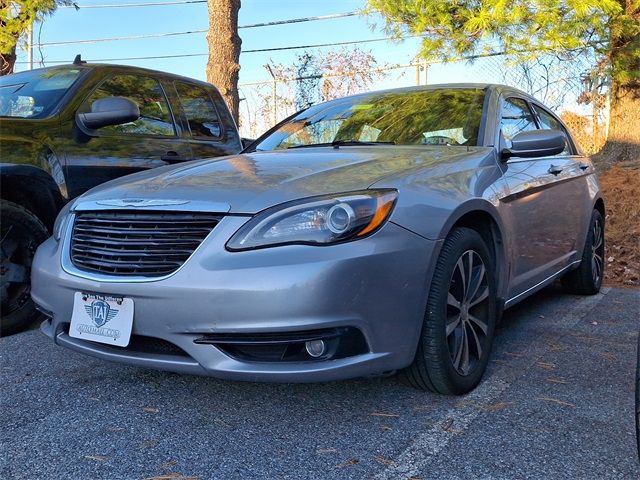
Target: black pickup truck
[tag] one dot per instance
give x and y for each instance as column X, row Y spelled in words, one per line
column 66, row 129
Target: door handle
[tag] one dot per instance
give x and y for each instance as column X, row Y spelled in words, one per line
column 583, row 166
column 553, row 170
column 172, row 157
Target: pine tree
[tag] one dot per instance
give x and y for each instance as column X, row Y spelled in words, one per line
column 528, row 28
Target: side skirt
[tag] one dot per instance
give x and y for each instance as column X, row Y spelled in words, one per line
column 530, row 291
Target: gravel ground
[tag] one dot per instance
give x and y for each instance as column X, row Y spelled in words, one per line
column 557, row 402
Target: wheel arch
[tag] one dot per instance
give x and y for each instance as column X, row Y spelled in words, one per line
column 482, row 217
column 599, row 205
column 32, row 188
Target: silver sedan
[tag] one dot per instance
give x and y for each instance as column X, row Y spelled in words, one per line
column 381, row 232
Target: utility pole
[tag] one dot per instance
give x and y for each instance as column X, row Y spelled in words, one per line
column 30, row 46
column 421, row 66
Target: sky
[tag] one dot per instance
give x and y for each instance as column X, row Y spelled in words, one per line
column 67, row 24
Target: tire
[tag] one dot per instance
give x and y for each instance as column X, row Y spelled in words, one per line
column 20, row 234
column 451, row 318
column 587, row 278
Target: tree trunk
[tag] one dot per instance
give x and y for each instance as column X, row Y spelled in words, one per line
column 7, row 62
column 223, row 67
column 623, row 138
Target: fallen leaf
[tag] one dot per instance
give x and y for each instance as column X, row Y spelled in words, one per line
column 546, row 366
column 383, row 460
column 348, row 463
column 148, row 444
column 513, row 354
column 555, row 400
column 98, row 458
column 447, row 424
column 494, row 407
column 326, row 450
column 556, row 380
column 500, row 362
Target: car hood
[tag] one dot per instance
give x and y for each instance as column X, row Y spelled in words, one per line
column 248, row 183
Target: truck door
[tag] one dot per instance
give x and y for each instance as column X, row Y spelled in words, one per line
column 151, row 141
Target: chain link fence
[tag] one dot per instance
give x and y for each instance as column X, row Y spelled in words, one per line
column 564, row 85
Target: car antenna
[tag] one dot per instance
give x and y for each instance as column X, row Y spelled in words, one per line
column 78, row 60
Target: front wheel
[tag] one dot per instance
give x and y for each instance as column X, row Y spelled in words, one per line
column 20, row 234
column 587, row 278
column 457, row 333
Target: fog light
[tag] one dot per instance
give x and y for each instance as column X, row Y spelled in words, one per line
column 315, row 348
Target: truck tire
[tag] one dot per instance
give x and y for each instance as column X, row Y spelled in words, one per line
column 20, row 234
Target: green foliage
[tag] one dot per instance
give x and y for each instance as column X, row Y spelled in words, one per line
column 17, row 15
column 452, row 29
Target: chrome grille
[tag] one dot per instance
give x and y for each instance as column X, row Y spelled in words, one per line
column 134, row 243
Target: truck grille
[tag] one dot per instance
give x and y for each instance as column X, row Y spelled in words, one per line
column 148, row 244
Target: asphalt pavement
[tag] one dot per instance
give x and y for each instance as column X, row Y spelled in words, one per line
column 557, row 402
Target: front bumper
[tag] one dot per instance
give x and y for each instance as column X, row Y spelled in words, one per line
column 377, row 285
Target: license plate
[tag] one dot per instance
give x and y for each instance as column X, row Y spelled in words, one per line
column 102, row 318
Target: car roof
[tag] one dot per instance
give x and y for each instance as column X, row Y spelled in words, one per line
column 440, row 86
column 123, row 68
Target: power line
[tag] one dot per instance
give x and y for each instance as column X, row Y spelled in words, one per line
column 129, row 5
column 257, row 50
column 190, row 32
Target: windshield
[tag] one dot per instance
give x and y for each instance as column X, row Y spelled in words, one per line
column 447, row 116
column 34, row 94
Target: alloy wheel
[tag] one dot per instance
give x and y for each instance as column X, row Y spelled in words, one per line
column 597, row 255
column 468, row 312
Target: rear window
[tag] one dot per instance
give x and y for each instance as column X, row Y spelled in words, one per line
column 199, row 109
column 35, row 94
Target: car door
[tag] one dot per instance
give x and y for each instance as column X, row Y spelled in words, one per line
column 209, row 128
column 151, row 141
column 575, row 170
column 538, row 204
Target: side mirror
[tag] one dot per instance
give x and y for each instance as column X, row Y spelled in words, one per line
column 536, row 143
column 109, row 111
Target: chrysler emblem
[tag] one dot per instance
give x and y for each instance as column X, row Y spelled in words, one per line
column 139, row 202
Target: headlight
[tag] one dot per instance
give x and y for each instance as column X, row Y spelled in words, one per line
column 317, row 220
column 61, row 221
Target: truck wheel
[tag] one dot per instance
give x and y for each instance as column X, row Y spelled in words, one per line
column 20, row 234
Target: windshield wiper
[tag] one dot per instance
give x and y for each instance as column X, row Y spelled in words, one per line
column 342, row 143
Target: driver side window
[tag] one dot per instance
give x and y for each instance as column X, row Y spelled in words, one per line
column 155, row 117
column 516, row 117
column 548, row 121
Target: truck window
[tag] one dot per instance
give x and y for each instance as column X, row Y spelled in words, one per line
column 200, row 111
column 155, row 117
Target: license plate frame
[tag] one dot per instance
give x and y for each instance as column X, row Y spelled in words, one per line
column 102, row 318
